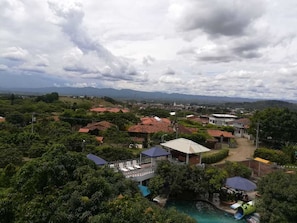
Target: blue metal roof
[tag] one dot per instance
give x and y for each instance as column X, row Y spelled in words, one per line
column 96, row 159
column 155, row 152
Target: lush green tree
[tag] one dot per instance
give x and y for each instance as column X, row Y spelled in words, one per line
column 215, row 177
column 111, row 153
column 78, row 141
column 290, row 152
column 9, row 155
column 12, row 97
column 66, row 187
column 157, row 186
column 151, row 111
column 115, row 136
column 198, row 137
column 272, row 155
column 180, row 180
column 121, row 120
column 227, row 129
column 277, row 126
column 127, row 209
column 278, row 197
column 110, row 100
column 50, row 131
column 48, row 98
column 17, row 118
column 237, row 169
column 77, row 117
column 6, row 211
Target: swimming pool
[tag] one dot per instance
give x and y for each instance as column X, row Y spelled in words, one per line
column 203, row 212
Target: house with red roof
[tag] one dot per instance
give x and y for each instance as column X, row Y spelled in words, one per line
column 203, row 119
column 148, row 126
column 96, row 127
column 219, row 137
column 2, row 119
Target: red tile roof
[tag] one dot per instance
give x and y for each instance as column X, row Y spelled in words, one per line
column 99, row 139
column 84, row 130
column 202, row 120
column 155, row 124
column 2, row 119
column 152, row 125
column 98, row 109
column 219, row 133
column 161, row 127
column 154, row 120
column 103, row 125
column 186, row 130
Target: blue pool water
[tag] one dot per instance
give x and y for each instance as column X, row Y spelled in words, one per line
column 203, row 212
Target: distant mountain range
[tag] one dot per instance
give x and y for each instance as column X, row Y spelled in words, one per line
column 126, row 94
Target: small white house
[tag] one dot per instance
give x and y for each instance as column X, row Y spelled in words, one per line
column 221, row 119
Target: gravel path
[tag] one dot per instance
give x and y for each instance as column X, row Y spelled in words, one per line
column 244, row 150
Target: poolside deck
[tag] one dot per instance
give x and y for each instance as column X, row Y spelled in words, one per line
column 227, row 207
column 146, row 171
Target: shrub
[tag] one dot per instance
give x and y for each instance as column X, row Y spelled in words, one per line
column 272, row 155
column 215, row 157
column 237, row 169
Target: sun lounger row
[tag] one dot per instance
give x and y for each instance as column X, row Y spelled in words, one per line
column 129, row 166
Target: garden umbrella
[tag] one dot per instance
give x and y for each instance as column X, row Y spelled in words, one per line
column 240, row 183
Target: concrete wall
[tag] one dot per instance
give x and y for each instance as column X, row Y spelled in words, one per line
column 259, row 169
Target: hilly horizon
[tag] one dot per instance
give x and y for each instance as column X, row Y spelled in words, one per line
column 128, row 94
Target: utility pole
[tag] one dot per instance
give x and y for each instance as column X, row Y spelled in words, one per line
column 32, row 123
column 257, row 135
column 176, row 130
column 162, row 138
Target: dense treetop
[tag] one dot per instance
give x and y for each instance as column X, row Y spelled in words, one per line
column 46, row 177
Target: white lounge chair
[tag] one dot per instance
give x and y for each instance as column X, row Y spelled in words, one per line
column 112, row 166
column 122, row 168
column 129, row 165
column 135, row 165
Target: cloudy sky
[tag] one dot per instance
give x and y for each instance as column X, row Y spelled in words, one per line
column 204, row 47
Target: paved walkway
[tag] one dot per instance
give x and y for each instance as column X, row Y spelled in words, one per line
column 245, row 149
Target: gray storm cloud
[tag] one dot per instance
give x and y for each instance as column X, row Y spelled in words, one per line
column 231, row 18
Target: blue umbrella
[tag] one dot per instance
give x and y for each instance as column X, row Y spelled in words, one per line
column 240, row 183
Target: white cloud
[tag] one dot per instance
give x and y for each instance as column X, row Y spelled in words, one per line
column 232, row 48
column 3, row 67
column 15, row 53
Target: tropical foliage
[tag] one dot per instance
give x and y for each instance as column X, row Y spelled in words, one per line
column 186, row 180
column 277, row 127
column 46, row 177
column 278, row 197
column 66, row 187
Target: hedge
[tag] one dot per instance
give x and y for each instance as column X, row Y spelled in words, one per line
column 272, row 155
column 215, row 157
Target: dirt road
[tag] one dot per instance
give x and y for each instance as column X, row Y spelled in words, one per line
column 244, row 150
